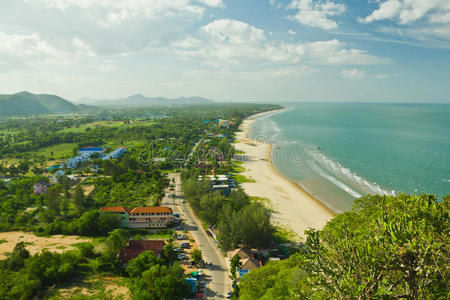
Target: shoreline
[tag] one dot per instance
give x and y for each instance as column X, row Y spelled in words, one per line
column 293, row 206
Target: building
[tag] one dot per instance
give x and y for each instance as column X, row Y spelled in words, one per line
column 221, row 183
column 135, row 248
column 121, row 212
column 40, row 188
column 247, row 260
column 150, row 217
column 90, row 151
column 57, row 176
column 116, row 153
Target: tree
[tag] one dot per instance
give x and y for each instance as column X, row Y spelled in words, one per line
column 52, row 199
column 143, row 262
column 385, row 247
column 78, row 198
column 235, row 263
column 196, row 256
column 116, row 241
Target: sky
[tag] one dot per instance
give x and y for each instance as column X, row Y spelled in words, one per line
column 228, row 50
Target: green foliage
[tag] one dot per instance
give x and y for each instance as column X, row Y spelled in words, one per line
column 385, row 248
column 160, row 282
column 196, row 256
column 26, row 277
column 239, row 221
column 143, row 262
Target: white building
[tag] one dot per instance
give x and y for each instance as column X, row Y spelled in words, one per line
column 150, row 217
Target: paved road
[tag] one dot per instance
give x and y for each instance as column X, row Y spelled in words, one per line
column 220, row 282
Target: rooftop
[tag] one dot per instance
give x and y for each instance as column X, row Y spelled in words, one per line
column 151, row 209
column 136, row 247
column 114, row 209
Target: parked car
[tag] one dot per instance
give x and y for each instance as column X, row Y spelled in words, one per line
column 179, row 227
column 185, row 245
column 182, row 200
column 228, row 295
column 182, row 237
column 183, row 256
column 178, row 250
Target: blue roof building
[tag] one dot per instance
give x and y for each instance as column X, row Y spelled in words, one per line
column 116, row 153
column 91, row 149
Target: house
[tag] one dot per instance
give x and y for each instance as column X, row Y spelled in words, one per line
column 57, row 176
column 247, row 260
column 223, row 188
column 220, row 183
column 136, row 247
column 150, row 217
column 116, row 153
column 224, row 123
column 40, row 188
column 121, row 212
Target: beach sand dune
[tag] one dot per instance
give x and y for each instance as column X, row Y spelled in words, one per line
column 293, row 207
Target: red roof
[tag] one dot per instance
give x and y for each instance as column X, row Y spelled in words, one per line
column 137, row 247
column 151, row 209
column 114, row 209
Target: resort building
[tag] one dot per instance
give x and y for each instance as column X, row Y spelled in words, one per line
column 116, row 153
column 121, row 212
column 89, row 151
column 137, row 247
column 221, row 183
column 40, row 188
column 150, row 217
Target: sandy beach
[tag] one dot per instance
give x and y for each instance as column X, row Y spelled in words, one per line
column 293, row 207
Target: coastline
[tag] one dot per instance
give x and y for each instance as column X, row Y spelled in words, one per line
column 293, row 206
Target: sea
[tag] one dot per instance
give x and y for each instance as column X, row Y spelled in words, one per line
column 338, row 152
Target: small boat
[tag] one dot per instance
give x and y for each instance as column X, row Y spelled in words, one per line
column 319, row 148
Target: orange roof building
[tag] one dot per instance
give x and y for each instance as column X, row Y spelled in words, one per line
column 142, row 217
column 121, row 212
column 117, row 209
column 150, row 217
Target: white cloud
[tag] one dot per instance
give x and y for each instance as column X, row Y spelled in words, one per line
column 26, row 45
column 292, row 32
column 114, row 12
column 230, row 43
column 316, row 13
column 353, row 74
column 408, row 11
column 213, row 3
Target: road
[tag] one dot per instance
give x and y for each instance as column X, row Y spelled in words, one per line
column 220, row 282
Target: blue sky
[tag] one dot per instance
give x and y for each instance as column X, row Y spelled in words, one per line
column 241, row 50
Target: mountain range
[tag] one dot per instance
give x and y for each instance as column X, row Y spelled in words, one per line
column 141, row 100
column 25, row 103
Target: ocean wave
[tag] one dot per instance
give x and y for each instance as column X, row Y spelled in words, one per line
column 339, row 170
column 335, row 181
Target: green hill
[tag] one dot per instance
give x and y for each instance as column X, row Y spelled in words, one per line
column 25, row 103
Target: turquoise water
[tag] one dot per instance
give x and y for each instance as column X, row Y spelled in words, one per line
column 338, row 152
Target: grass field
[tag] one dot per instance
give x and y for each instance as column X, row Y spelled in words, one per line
column 61, row 151
column 116, row 124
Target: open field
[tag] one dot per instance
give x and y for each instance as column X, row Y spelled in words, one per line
column 35, row 244
column 97, row 287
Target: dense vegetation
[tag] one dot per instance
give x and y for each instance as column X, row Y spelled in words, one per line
column 385, row 248
column 29, row 145
column 238, row 220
